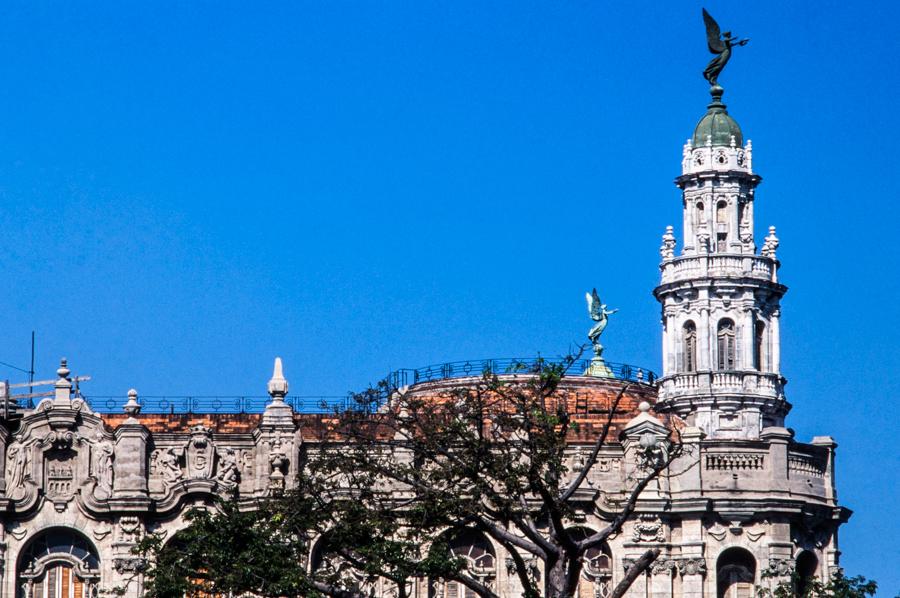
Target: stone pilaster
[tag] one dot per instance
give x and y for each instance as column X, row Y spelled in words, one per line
column 130, row 466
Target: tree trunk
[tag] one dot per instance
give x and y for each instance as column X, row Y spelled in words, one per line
column 556, row 580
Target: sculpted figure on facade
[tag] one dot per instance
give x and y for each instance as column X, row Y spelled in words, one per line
column 17, row 468
column 278, row 460
column 228, row 473
column 103, row 453
column 165, row 462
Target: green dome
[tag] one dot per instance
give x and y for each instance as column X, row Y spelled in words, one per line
column 717, row 124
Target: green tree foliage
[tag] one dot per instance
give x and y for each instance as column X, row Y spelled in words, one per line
column 395, row 480
column 839, row 586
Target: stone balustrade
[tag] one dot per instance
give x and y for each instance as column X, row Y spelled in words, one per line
column 719, row 266
column 749, row 382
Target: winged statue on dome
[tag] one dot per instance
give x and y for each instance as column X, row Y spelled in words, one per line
column 719, row 44
column 599, row 314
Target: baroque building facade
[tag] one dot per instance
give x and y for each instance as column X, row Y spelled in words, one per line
column 746, row 502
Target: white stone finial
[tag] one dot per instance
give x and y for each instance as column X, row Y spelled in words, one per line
column 63, row 371
column 132, row 408
column 278, row 385
column 748, row 151
column 667, row 249
column 63, row 387
column 644, row 407
column 771, row 244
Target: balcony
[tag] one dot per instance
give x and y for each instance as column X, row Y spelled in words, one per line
column 719, row 266
column 745, row 382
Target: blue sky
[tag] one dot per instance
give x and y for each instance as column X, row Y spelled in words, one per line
column 189, row 189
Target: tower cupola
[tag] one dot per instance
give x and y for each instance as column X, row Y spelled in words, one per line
column 720, row 297
column 717, row 127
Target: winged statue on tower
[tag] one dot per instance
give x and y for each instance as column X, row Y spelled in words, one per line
column 719, row 44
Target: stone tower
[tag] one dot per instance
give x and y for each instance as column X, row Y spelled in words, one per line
column 720, row 298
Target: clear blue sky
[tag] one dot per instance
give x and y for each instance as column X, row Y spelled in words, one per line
column 189, row 189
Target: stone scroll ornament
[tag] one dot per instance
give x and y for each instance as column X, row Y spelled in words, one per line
column 719, row 44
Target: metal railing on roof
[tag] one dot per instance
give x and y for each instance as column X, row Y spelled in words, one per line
column 214, row 404
column 512, row 365
column 221, row 404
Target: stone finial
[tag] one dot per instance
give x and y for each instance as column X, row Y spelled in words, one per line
column 748, row 152
column 771, row 244
column 63, row 386
column 132, row 408
column 278, row 385
column 278, row 413
column 63, row 373
column 667, row 249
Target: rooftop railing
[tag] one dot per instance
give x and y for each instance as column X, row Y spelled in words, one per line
column 220, row 404
column 216, row 404
column 512, row 365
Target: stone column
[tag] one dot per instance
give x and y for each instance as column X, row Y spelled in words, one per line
column 778, row 439
column 692, row 570
column 775, row 340
column 828, row 443
column 704, row 341
column 661, row 577
column 130, row 465
column 734, row 231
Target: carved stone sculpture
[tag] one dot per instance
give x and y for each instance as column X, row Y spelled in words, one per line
column 165, row 463
column 228, row 467
column 200, row 453
column 103, row 453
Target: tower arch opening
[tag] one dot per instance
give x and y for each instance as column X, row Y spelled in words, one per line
column 726, row 347
column 689, row 347
column 805, row 567
column 735, row 573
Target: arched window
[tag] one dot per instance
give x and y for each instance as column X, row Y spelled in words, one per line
column 480, row 560
column 759, row 356
column 726, row 344
column 721, row 212
column 58, row 563
column 701, row 213
column 735, row 573
column 689, row 347
column 806, row 566
column 721, row 227
column 327, row 562
column 596, row 572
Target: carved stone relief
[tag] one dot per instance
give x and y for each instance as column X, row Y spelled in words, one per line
column 17, row 467
column 200, row 453
column 165, row 465
column 228, row 473
column 692, row 566
column 102, row 453
column 648, row 528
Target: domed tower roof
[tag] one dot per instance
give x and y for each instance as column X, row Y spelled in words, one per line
column 717, row 124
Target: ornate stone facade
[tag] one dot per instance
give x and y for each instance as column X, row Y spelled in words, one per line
column 744, row 503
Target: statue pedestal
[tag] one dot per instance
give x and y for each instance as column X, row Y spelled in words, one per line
column 598, row 369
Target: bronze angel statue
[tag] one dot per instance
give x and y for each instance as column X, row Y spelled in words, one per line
column 599, row 314
column 720, row 45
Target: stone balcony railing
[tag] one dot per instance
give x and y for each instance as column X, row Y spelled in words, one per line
column 719, row 266
column 750, row 382
column 779, row 468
